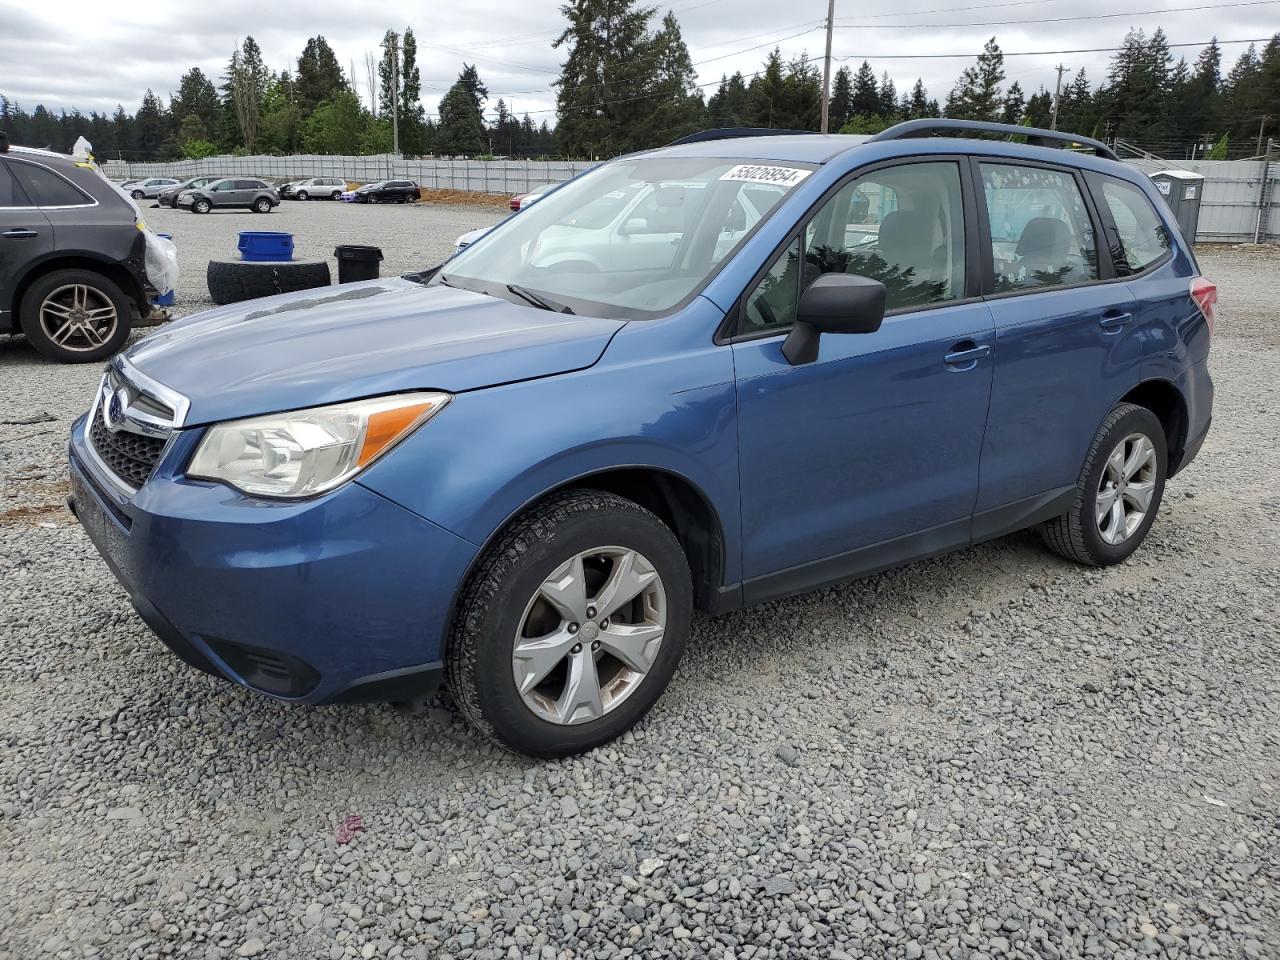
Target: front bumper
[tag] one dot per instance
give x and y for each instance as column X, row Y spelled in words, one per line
column 344, row 597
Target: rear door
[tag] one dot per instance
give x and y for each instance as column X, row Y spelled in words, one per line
column 1066, row 342
column 25, row 235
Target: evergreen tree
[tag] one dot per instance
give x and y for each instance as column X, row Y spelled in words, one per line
column 865, row 99
column 1015, row 103
column 672, row 106
column 888, row 98
column 1039, row 110
column 150, row 125
column 387, row 72
column 840, row 109
column 976, row 95
column 919, row 104
column 338, row 125
column 413, row 117
column 1076, row 111
column 728, row 105
column 197, row 97
column 461, row 130
column 600, row 95
column 319, row 75
column 764, row 93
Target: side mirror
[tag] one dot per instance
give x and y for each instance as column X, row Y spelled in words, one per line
column 633, row 226
column 833, row 303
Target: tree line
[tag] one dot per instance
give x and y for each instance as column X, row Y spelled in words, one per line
column 628, row 83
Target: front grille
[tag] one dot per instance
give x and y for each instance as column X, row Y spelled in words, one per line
column 130, row 456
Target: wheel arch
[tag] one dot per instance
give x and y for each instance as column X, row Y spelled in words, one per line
column 675, row 499
column 1166, row 401
column 112, row 270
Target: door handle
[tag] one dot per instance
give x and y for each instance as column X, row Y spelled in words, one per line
column 1114, row 321
column 19, row 233
column 966, row 354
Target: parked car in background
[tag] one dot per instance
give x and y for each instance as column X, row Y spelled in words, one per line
column 522, row 200
column 151, row 187
column 285, row 190
column 73, row 256
column 231, row 193
column 384, row 191
column 318, row 188
column 169, row 197
column 527, row 473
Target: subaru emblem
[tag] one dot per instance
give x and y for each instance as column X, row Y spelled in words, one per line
column 115, row 410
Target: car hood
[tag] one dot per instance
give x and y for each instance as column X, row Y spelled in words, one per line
column 359, row 340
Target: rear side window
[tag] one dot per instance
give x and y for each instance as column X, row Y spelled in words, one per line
column 1041, row 234
column 248, row 185
column 47, row 189
column 1143, row 237
column 11, row 194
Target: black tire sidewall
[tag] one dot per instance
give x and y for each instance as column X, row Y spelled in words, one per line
column 202, row 206
column 499, row 700
column 1134, row 420
column 29, row 316
column 336, row 195
column 262, row 206
column 302, row 196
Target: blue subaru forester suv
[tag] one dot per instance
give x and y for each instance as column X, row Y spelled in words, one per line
column 702, row 376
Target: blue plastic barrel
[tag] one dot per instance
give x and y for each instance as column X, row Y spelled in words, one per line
column 265, row 245
column 167, row 298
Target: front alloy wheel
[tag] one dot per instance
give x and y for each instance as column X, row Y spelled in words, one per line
column 75, row 315
column 590, row 634
column 571, row 625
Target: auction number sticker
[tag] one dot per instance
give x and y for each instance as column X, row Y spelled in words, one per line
column 757, row 173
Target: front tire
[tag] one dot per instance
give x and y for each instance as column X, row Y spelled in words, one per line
column 202, row 206
column 571, row 626
column 76, row 316
column 1118, row 493
column 301, row 195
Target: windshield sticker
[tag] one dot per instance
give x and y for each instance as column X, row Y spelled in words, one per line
column 756, row 173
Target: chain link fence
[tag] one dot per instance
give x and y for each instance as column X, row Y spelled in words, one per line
column 472, row 176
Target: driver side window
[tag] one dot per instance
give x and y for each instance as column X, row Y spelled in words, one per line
column 903, row 226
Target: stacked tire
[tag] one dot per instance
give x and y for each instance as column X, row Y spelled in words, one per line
column 231, row 281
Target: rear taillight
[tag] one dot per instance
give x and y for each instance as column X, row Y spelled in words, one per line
column 1205, row 294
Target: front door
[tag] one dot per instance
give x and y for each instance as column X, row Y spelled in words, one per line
column 869, row 455
column 25, row 236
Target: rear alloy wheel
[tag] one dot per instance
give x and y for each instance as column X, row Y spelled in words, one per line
column 1119, row 491
column 262, row 205
column 202, row 206
column 572, row 625
column 76, row 316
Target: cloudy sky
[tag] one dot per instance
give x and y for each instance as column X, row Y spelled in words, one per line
column 93, row 55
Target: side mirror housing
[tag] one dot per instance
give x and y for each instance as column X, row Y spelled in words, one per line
column 633, row 226
column 833, row 303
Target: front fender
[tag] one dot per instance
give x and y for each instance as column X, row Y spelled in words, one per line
column 651, row 402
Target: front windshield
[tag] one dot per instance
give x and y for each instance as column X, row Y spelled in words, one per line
column 629, row 238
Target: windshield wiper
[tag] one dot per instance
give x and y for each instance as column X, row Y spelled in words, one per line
column 537, row 299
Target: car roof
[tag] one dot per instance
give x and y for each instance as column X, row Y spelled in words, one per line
column 37, row 152
column 799, row 148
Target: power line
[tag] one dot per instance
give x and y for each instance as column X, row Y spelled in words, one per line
column 1092, row 16
column 1028, row 53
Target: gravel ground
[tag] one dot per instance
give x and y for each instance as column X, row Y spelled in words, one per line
column 989, row 754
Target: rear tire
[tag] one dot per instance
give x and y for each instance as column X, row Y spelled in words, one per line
column 336, row 195
column 586, row 534
column 67, row 315
column 262, row 205
column 1118, row 493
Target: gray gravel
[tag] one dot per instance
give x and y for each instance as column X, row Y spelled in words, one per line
column 989, row 754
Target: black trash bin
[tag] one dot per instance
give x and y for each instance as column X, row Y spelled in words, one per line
column 357, row 263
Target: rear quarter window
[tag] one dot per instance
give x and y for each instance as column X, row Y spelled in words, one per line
column 1142, row 236
column 48, row 189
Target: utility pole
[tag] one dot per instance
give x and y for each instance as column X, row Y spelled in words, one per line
column 826, row 68
column 1262, row 126
column 1057, row 95
column 392, row 46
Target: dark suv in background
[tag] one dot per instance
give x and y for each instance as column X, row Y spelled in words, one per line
column 230, row 193
column 169, row 197
column 73, row 256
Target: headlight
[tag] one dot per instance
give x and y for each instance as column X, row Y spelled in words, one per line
column 306, row 452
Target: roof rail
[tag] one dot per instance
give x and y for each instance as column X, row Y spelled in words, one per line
column 1036, row 136
column 732, row 133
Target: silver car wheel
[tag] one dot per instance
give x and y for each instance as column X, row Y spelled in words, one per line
column 1124, row 492
column 78, row 317
column 589, row 635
